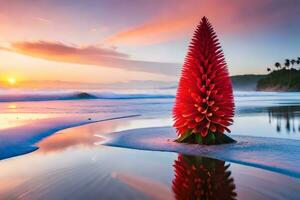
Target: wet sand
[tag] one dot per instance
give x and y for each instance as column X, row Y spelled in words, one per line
column 73, row 164
column 278, row 155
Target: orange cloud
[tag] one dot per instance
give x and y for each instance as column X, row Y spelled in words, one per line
column 181, row 17
column 152, row 32
column 50, row 49
column 89, row 55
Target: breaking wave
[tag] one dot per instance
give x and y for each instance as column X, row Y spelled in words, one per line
column 54, row 96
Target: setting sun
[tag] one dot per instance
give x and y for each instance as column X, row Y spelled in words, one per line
column 11, row 80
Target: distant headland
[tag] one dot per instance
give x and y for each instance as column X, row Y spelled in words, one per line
column 282, row 78
column 285, row 80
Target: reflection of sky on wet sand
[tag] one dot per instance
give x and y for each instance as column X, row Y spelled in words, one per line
column 19, row 119
column 69, row 165
column 83, row 136
column 87, row 136
column 11, row 116
column 21, row 113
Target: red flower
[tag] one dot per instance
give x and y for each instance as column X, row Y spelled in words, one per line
column 204, row 101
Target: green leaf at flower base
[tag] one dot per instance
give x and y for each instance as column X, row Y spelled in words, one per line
column 199, row 138
column 184, row 136
column 221, row 138
column 210, row 139
column 213, row 138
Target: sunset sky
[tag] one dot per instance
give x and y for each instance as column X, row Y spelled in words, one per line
column 108, row 41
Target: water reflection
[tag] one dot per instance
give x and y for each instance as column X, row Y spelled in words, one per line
column 69, row 166
column 92, row 134
column 285, row 117
column 82, row 136
column 202, row 178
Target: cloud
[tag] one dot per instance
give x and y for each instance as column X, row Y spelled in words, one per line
column 43, row 20
column 100, row 29
column 234, row 17
column 56, row 49
column 89, row 55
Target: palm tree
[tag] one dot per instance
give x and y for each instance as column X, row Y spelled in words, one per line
column 277, row 65
column 293, row 62
column 287, row 63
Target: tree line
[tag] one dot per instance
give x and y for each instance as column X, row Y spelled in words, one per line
column 289, row 63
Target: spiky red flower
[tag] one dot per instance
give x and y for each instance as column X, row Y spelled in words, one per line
column 202, row 178
column 204, row 101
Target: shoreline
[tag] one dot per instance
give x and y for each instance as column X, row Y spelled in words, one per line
column 38, row 133
column 258, row 152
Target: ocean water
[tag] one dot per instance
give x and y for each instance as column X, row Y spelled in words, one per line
column 73, row 163
column 266, row 114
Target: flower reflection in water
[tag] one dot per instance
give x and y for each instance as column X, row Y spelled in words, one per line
column 289, row 116
column 202, row 178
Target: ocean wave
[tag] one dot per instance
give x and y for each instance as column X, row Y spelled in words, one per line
column 52, row 96
column 42, row 95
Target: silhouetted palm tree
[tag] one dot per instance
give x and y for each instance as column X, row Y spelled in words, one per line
column 287, row 63
column 293, row 62
column 277, row 65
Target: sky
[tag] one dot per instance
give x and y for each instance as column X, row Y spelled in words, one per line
column 113, row 41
